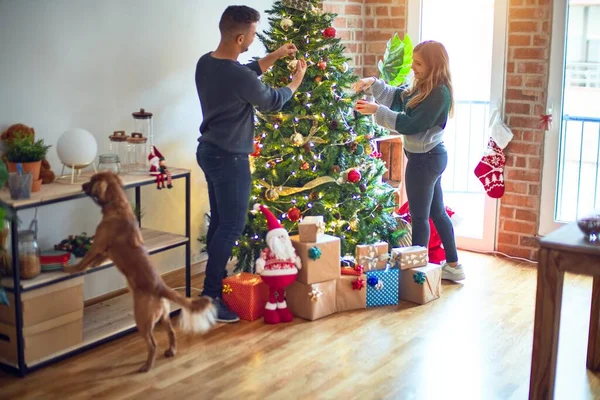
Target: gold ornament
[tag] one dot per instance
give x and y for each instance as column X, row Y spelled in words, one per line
column 368, row 148
column 344, row 67
column 292, row 65
column 286, row 24
column 354, row 224
column 271, row 194
column 297, row 139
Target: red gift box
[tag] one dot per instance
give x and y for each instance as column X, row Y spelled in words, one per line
column 246, row 294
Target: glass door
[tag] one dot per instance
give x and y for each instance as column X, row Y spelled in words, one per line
column 571, row 174
column 474, row 34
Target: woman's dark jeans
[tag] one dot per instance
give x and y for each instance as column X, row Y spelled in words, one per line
column 425, row 198
column 229, row 183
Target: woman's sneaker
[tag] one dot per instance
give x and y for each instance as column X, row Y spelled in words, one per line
column 224, row 314
column 453, row 273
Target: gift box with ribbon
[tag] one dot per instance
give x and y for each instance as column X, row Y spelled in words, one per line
column 320, row 260
column 351, row 292
column 311, row 228
column 382, row 287
column 421, row 285
column 246, row 294
column 372, row 256
column 409, row 257
column 311, row 301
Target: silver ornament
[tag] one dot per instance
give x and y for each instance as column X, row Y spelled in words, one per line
column 286, row 24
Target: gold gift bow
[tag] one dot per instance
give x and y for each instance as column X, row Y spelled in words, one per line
column 227, row 289
column 315, row 294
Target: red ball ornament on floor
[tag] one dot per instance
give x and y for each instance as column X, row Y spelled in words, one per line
column 329, row 32
column 294, row 214
column 354, row 176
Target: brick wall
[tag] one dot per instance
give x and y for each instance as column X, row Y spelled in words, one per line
column 365, row 26
column 529, row 30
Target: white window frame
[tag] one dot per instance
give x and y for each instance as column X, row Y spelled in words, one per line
column 555, row 101
column 415, row 7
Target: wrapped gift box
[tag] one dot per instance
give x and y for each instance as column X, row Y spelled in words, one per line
column 320, row 260
column 311, row 301
column 403, row 224
column 372, row 256
column 246, row 294
column 421, row 285
column 409, row 257
column 311, row 228
column 355, row 271
column 351, row 292
column 382, row 287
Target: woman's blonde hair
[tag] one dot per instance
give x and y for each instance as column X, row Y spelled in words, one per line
column 435, row 58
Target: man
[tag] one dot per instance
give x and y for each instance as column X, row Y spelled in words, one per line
column 228, row 92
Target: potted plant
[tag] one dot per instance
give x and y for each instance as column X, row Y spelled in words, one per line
column 29, row 153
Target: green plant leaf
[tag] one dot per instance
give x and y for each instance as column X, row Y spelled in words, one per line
column 397, row 60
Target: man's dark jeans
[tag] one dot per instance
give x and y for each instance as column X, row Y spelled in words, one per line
column 425, row 198
column 229, row 183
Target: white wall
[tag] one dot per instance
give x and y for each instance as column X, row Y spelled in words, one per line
column 90, row 64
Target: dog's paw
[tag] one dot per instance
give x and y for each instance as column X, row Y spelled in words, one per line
column 170, row 352
column 144, row 368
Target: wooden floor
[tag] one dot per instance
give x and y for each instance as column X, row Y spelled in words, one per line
column 473, row 343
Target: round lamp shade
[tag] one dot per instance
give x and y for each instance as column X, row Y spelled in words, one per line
column 77, row 148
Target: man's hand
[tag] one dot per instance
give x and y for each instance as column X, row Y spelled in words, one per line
column 288, row 49
column 300, row 70
column 366, row 108
column 363, row 84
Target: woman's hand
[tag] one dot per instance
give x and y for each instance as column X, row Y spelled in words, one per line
column 363, row 84
column 366, row 108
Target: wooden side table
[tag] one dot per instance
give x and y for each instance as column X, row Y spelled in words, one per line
column 564, row 250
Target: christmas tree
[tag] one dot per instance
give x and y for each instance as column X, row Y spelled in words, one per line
column 316, row 156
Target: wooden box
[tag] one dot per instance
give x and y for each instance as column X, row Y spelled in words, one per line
column 46, row 303
column 43, row 339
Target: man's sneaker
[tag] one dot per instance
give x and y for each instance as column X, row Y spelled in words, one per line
column 224, row 314
column 453, row 273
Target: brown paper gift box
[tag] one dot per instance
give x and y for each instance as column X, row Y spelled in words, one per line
column 326, row 267
column 372, row 256
column 409, row 257
column 311, row 228
column 312, row 301
column 348, row 298
column 411, row 289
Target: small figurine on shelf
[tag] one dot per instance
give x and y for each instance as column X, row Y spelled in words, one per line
column 278, row 266
column 159, row 169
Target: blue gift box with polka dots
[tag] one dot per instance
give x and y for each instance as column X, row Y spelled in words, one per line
column 382, row 287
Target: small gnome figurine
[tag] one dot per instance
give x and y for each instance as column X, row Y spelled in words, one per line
column 159, row 169
column 278, row 266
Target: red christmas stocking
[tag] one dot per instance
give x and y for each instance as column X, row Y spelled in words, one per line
column 490, row 170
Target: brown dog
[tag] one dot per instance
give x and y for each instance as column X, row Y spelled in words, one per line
column 118, row 237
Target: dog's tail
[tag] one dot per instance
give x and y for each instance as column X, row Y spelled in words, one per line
column 197, row 315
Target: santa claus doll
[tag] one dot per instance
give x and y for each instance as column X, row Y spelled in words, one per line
column 158, row 168
column 278, row 266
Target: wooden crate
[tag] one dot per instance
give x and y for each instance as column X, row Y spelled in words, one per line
column 46, row 303
column 43, row 339
column 392, row 154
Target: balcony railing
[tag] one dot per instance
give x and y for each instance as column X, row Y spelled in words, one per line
column 578, row 189
column 582, row 74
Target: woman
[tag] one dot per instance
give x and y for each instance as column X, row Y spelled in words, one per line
column 420, row 114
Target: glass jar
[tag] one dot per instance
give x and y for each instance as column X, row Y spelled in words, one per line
column 29, row 255
column 118, row 146
column 137, row 163
column 109, row 162
column 142, row 123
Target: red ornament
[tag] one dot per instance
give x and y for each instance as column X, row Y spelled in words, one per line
column 358, row 284
column 329, row 32
column 256, row 150
column 353, row 176
column 294, row 214
column 322, row 65
column 376, row 154
column 304, row 166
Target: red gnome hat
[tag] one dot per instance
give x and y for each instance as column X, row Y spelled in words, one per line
column 273, row 224
column 154, row 154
